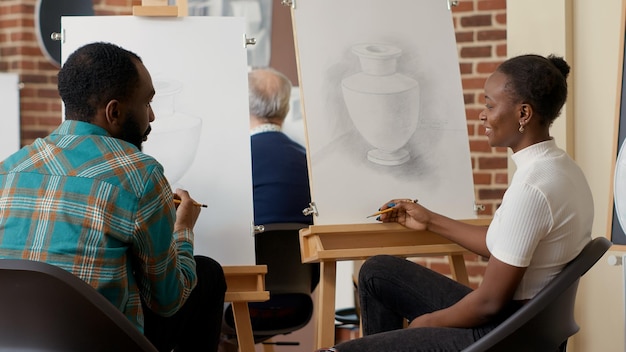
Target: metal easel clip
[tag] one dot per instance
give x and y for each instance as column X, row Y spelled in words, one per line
column 479, row 207
column 312, row 209
column 56, row 36
column 248, row 41
column 291, row 3
column 258, row 229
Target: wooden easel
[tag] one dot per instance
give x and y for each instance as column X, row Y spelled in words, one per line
column 328, row 244
column 160, row 8
column 246, row 283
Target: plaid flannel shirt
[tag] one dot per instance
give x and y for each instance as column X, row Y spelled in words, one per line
column 101, row 209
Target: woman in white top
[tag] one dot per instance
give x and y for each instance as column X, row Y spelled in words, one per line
column 543, row 223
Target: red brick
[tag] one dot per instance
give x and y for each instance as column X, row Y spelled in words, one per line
column 466, row 68
column 476, row 21
column 473, row 83
column 491, row 193
column 28, row 136
column 492, row 163
column 9, row 23
column 501, row 50
column 22, row 36
column 489, row 209
column 33, row 78
column 51, row 121
column 464, row 37
column 501, row 18
column 501, row 150
column 468, row 98
column 125, row 3
column 491, row 5
column 463, row 6
column 482, row 178
column 487, row 67
column 472, row 113
column 495, row 34
column 476, row 51
column 501, row 179
column 480, row 146
column 8, row 51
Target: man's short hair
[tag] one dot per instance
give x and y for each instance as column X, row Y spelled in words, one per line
column 95, row 74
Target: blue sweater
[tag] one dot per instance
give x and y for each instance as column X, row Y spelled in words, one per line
column 280, row 178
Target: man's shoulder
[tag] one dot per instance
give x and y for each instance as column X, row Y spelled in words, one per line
column 275, row 138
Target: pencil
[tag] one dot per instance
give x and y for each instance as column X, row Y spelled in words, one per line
column 177, row 201
column 381, row 212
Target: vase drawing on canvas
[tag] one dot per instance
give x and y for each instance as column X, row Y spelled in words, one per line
column 382, row 103
column 175, row 135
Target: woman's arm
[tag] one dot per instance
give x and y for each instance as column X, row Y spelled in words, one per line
column 481, row 305
column 417, row 217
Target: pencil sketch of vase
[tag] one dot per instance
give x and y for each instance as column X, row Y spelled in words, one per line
column 382, row 103
column 175, row 136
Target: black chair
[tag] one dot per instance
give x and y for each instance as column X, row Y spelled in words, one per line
column 546, row 321
column 289, row 281
column 46, row 308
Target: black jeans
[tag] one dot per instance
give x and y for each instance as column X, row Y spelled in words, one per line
column 196, row 326
column 393, row 290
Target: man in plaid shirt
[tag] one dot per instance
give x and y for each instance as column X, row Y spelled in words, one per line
column 87, row 199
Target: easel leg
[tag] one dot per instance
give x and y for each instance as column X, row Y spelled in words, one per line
column 268, row 347
column 245, row 338
column 459, row 271
column 325, row 333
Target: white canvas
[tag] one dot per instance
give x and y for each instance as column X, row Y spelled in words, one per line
column 10, row 98
column 201, row 131
column 393, row 126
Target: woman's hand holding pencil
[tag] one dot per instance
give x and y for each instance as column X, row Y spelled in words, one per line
column 406, row 212
column 391, row 206
column 381, row 212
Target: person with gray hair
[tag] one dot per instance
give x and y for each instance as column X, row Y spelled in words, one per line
column 279, row 166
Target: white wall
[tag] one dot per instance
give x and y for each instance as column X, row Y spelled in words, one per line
column 588, row 34
column 10, row 119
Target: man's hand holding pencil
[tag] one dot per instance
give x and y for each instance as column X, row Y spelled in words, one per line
column 187, row 210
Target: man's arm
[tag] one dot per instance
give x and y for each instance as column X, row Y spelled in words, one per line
column 164, row 255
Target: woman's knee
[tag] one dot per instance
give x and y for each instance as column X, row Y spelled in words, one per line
column 378, row 267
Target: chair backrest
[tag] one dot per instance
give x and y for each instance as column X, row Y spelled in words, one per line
column 546, row 321
column 278, row 247
column 289, row 281
column 46, row 308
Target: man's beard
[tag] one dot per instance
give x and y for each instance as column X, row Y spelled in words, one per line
column 131, row 132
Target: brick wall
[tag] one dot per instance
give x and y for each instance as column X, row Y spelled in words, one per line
column 481, row 37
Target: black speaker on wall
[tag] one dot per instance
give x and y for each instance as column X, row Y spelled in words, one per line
column 48, row 21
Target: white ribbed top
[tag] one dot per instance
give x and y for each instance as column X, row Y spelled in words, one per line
column 545, row 218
